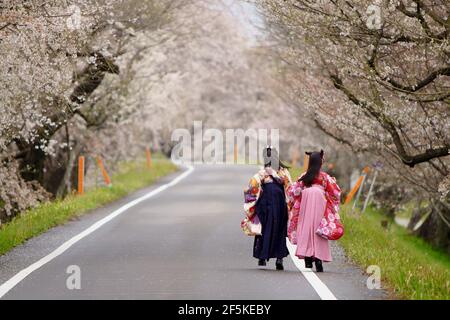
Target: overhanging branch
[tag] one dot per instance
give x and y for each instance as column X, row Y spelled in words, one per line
column 389, row 126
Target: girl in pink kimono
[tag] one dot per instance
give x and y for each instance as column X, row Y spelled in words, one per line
column 313, row 213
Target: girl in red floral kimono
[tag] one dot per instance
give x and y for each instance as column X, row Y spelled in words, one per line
column 265, row 201
column 313, row 213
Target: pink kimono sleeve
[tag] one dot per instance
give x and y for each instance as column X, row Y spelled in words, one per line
column 294, row 200
column 331, row 227
column 333, row 195
column 251, row 196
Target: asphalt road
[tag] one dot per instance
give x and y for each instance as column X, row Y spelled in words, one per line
column 183, row 243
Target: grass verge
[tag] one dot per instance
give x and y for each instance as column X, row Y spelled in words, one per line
column 410, row 268
column 131, row 176
column 295, row 173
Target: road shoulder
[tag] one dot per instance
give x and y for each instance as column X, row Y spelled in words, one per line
column 38, row 247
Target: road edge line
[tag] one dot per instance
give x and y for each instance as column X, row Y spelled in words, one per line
column 21, row 275
column 321, row 288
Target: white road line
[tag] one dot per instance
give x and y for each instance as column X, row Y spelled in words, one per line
column 11, row 283
column 320, row 287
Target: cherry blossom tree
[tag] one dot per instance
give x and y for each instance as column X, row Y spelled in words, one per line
column 54, row 58
column 374, row 75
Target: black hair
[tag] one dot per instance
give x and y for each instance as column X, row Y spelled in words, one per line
column 315, row 164
column 272, row 159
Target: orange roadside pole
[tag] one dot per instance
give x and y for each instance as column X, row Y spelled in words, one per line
column 235, row 154
column 104, row 173
column 81, row 175
column 149, row 157
column 357, row 185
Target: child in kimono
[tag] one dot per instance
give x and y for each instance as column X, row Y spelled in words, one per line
column 266, row 200
column 313, row 209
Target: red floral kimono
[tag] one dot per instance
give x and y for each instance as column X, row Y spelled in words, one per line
column 330, row 226
column 253, row 193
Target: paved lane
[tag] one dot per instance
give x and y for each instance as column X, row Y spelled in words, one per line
column 183, row 243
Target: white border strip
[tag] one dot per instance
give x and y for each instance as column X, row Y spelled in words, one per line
column 11, row 283
column 320, row 287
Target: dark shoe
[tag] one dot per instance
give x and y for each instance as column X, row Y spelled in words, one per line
column 261, row 262
column 308, row 262
column 279, row 264
column 319, row 266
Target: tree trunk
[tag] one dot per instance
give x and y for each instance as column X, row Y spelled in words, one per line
column 33, row 158
column 33, row 161
column 65, row 185
column 435, row 230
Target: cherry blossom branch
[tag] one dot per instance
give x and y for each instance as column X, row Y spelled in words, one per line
column 386, row 123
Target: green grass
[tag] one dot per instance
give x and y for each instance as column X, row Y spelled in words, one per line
column 131, row 176
column 411, row 269
column 295, row 172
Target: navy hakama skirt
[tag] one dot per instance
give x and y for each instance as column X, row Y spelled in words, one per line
column 272, row 211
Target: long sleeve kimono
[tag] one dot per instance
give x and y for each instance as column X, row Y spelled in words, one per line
column 266, row 199
column 314, row 217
